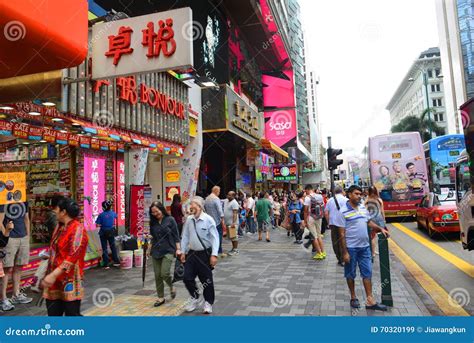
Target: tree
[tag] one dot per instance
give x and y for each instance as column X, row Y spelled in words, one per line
column 419, row 124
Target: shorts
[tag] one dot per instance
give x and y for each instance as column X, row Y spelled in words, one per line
column 17, row 252
column 314, row 226
column 262, row 226
column 361, row 257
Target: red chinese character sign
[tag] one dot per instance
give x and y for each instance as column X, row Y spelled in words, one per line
column 149, row 43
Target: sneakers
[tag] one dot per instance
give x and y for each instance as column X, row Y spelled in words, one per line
column 116, row 264
column 318, row 256
column 324, row 254
column 207, row 308
column 7, row 305
column 233, row 252
column 222, row 255
column 193, row 304
column 21, row 298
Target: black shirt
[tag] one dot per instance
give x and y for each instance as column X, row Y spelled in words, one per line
column 165, row 236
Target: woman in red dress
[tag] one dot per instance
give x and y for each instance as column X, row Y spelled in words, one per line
column 63, row 283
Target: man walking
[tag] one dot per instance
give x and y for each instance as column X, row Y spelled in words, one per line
column 313, row 214
column 200, row 245
column 263, row 209
column 231, row 220
column 250, row 208
column 332, row 208
column 213, row 207
column 17, row 251
column 352, row 221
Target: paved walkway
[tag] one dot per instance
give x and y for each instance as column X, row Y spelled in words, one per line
column 267, row 279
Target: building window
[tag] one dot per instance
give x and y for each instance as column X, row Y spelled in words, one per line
column 436, row 117
column 430, row 73
column 436, row 87
column 437, row 72
column 437, row 102
column 440, row 116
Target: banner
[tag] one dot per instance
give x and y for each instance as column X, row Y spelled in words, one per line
column 137, row 209
column 120, row 190
column 137, row 167
column 94, row 188
column 12, row 187
column 285, row 172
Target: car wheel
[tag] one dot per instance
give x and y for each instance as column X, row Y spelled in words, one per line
column 431, row 232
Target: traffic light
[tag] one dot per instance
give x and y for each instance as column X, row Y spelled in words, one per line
column 333, row 161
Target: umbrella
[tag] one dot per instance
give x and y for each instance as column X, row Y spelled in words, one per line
column 145, row 249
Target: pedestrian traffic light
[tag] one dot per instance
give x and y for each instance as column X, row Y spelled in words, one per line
column 333, row 161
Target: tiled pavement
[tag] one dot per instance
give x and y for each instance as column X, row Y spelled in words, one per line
column 276, row 279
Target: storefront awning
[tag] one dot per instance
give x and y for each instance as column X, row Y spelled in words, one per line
column 269, row 145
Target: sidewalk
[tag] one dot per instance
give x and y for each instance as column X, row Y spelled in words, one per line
column 267, row 279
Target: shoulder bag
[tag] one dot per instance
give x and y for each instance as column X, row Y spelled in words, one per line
column 206, row 250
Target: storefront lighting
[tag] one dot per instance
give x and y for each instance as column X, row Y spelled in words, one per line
column 34, row 113
column 63, row 131
column 42, row 141
column 25, row 143
column 209, row 84
column 57, row 119
column 48, row 103
column 6, row 108
column 76, row 124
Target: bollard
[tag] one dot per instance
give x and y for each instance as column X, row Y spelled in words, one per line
column 385, row 279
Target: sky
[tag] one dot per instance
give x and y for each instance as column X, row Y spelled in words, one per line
column 361, row 50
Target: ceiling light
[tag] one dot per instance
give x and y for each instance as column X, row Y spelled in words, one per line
column 63, row 131
column 6, row 108
column 25, row 143
column 76, row 124
column 57, row 119
column 42, row 141
column 209, row 84
column 34, row 113
column 48, row 103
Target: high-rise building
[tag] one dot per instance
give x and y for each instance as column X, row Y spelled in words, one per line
column 421, row 88
column 456, row 39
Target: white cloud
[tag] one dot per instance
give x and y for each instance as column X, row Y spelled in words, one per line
column 361, row 49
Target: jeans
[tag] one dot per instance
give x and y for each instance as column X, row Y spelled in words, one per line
column 197, row 264
column 162, row 269
column 251, row 224
column 105, row 253
column 297, row 230
column 219, row 229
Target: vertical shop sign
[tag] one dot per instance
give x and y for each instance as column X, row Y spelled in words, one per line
column 94, row 188
column 120, row 187
column 137, row 210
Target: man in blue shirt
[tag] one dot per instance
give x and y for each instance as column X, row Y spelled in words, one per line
column 106, row 223
column 352, row 221
column 200, row 246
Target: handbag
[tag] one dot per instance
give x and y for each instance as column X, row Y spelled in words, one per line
column 204, row 247
column 178, row 274
column 286, row 222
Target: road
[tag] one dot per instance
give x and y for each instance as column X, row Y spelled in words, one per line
column 447, row 270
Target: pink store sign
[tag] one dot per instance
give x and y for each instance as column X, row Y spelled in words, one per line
column 120, row 191
column 94, row 188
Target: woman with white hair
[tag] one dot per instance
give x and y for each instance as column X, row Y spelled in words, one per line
column 200, row 246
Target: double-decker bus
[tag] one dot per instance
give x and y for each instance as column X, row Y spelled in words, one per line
column 441, row 154
column 398, row 171
column 465, row 178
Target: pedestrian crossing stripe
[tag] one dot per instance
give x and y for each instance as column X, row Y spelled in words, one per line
column 451, row 258
column 444, row 301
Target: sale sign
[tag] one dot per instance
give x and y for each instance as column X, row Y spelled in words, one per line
column 120, row 190
column 285, row 172
column 94, row 188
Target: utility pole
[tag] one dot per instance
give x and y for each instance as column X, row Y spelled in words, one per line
column 331, row 171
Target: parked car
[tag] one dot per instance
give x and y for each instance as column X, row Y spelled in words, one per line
column 437, row 213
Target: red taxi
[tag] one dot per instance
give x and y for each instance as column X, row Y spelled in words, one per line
column 437, row 213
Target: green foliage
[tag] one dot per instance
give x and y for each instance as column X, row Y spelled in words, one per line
column 420, row 124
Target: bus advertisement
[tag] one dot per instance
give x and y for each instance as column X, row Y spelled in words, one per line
column 441, row 154
column 465, row 178
column 398, row 171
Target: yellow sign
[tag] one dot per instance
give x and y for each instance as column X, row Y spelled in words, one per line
column 192, row 127
column 173, row 176
column 12, row 187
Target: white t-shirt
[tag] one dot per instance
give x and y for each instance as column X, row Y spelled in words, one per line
column 229, row 208
column 318, row 197
column 250, row 204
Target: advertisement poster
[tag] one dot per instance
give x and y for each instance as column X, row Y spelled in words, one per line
column 12, row 187
column 137, row 165
column 120, row 191
column 285, row 172
column 171, row 191
column 444, row 153
column 94, row 189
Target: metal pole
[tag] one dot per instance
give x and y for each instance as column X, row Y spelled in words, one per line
column 331, row 172
column 425, row 82
column 385, row 279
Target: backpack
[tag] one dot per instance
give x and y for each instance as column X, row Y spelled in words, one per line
column 316, row 209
